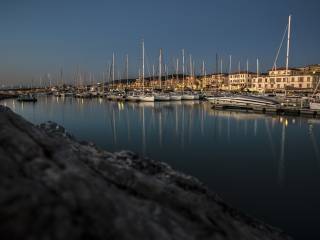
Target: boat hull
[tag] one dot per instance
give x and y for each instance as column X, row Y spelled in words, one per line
column 187, row 97
column 161, row 98
column 314, row 106
column 175, row 98
column 242, row 102
column 133, row 98
column 146, row 98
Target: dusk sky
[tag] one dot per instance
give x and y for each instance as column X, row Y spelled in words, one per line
column 40, row 36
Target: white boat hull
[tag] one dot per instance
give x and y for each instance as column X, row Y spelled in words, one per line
column 133, row 98
column 241, row 101
column 188, row 97
column 175, row 98
column 162, row 98
column 315, row 106
column 146, row 98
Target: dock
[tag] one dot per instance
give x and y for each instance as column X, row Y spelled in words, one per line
column 277, row 110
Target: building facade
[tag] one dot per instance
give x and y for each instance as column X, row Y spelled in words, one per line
column 280, row 79
column 241, row 80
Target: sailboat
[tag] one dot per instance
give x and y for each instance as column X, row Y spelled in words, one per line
column 144, row 97
column 176, row 96
column 161, row 96
column 186, row 95
column 247, row 101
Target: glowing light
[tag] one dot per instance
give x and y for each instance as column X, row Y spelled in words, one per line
column 286, row 122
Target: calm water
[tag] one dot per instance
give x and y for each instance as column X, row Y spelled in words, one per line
column 268, row 166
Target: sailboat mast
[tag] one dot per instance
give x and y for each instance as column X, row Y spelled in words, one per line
column 127, row 69
column 177, row 70
column 160, row 68
column 143, row 66
column 183, row 69
column 257, row 67
column 190, row 65
column 288, row 47
column 112, row 70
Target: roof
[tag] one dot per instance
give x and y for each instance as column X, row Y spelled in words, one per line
column 242, row 72
column 283, row 68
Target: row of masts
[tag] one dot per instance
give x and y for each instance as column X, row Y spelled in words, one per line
column 79, row 76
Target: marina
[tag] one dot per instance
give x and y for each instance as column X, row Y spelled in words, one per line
column 160, row 120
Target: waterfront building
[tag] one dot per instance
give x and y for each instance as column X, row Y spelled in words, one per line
column 281, row 79
column 241, row 80
column 213, row 81
column 311, row 69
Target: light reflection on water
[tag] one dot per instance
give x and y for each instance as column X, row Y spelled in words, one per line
column 268, row 166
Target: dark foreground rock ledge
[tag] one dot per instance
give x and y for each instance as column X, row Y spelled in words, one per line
column 54, row 187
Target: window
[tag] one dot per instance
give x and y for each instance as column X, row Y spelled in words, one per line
column 278, row 79
column 266, row 80
column 278, row 85
column 300, row 79
column 308, row 85
column 259, row 80
column 259, row 85
column 300, row 85
column 308, row 79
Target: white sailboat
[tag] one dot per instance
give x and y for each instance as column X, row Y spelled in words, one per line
column 176, row 96
column 144, row 97
column 186, row 95
column 161, row 96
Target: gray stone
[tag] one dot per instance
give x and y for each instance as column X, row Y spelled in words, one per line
column 54, row 187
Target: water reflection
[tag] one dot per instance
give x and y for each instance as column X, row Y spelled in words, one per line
column 248, row 158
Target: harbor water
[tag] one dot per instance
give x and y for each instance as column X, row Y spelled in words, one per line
column 267, row 166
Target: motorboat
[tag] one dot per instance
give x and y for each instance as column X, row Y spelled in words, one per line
column 242, row 101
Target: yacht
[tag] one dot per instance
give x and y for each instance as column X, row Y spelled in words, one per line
column 189, row 96
column 175, row 97
column 243, row 101
column 315, row 105
column 134, row 97
column 162, row 97
column 146, row 98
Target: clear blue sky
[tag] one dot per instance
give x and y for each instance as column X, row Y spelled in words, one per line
column 40, row 36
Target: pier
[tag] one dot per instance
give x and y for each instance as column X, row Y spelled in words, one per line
column 279, row 110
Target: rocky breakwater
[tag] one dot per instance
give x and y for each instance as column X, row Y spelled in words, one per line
column 55, row 187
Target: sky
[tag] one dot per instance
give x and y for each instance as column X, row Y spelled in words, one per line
column 41, row 37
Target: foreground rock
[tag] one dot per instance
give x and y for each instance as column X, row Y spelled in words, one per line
column 53, row 187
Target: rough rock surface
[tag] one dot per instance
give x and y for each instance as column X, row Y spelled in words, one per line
column 54, row 187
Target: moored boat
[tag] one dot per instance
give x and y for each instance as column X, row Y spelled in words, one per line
column 242, row 101
column 162, row 97
column 27, row 98
column 146, row 98
column 175, row 97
